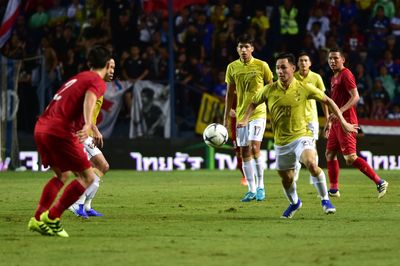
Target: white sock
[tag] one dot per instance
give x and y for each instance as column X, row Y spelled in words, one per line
column 291, row 193
column 249, row 174
column 259, row 170
column 320, row 185
column 91, row 192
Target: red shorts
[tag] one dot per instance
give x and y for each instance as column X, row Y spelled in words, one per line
column 68, row 154
column 341, row 142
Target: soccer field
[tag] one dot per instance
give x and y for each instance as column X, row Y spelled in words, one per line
column 196, row 218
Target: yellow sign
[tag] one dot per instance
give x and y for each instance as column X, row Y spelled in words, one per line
column 211, row 111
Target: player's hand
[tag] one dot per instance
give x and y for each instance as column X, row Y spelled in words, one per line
column 232, row 113
column 327, row 129
column 97, row 137
column 242, row 123
column 350, row 128
column 83, row 134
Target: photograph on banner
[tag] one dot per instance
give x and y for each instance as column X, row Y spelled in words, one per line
column 150, row 113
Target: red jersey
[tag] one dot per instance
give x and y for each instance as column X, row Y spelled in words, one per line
column 64, row 115
column 341, row 84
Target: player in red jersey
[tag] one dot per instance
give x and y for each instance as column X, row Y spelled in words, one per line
column 344, row 94
column 59, row 135
column 232, row 114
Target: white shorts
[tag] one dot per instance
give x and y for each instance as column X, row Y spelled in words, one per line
column 90, row 148
column 314, row 127
column 253, row 131
column 288, row 155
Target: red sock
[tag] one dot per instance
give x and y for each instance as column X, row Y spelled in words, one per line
column 239, row 162
column 364, row 167
column 333, row 172
column 71, row 194
column 49, row 194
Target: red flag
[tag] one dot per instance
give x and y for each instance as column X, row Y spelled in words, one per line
column 9, row 19
column 162, row 5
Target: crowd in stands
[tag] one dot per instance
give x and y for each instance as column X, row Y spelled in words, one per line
column 205, row 42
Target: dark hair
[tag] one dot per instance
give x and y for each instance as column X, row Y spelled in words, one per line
column 245, row 38
column 98, row 57
column 336, row 50
column 289, row 56
column 303, row 53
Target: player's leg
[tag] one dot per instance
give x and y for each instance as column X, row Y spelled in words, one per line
column 366, row 169
column 307, row 153
column 237, row 149
column 332, row 147
column 256, row 133
column 285, row 162
column 349, row 144
column 242, row 140
column 101, row 167
column 72, row 157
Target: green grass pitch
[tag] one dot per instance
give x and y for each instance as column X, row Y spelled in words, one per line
column 196, row 218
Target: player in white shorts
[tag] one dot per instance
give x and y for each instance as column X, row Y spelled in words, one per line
column 304, row 74
column 246, row 76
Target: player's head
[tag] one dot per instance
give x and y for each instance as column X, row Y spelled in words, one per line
column 245, row 47
column 110, row 70
column 285, row 67
column 336, row 59
column 303, row 61
column 98, row 57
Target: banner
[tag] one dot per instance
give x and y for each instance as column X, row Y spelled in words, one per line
column 150, row 113
column 380, row 127
column 9, row 101
column 111, row 107
column 8, row 21
column 211, row 111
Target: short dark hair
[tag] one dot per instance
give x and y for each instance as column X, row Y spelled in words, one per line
column 98, row 57
column 336, row 50
column 245, row 38
column 289, row 56
column 303, row 53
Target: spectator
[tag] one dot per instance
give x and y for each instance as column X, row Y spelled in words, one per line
column 388, row 8
column 387, row 82
column 394, row 113
column 317, row 35
column 379, row 29
column 318, row 16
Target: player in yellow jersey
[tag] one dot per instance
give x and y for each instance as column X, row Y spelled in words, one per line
column 83, row 206
column 304, row 74
column 286, row 100
column 247, row 75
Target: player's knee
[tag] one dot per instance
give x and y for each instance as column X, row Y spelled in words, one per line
column 349, row 159
column 104, row 168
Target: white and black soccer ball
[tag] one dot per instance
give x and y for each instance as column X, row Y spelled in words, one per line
column 215, row 135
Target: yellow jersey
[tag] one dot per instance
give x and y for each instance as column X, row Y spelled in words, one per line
column 316, row 80
column 97, row 108
column 249, row 78
column 288, row 108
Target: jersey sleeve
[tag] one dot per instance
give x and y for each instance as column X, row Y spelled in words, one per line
column 261, row 95
column 228, row 75
column 268, row 76
column 320, row 83
column 314, row 92
column 97, row 86
column 349, row 81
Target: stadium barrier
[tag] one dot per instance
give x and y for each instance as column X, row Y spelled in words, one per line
column 192, row 154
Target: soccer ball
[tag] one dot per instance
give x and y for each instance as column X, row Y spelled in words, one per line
column 215, row 135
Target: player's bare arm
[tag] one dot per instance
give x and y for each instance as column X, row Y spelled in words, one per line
column 230, row 94
column 347, row 127
column 88, row 109
column 249, row 111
